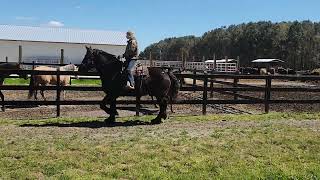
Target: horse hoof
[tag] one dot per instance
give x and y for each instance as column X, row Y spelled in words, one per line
column 110, row 120
column 156, row 121
column 165, row 116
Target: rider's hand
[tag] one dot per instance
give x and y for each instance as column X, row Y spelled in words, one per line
column 120, row 56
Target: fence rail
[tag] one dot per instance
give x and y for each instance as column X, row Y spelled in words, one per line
column 233, row 90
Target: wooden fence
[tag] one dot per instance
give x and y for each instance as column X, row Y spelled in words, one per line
column 207, row 86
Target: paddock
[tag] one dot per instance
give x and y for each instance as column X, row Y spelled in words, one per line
column 235, row 94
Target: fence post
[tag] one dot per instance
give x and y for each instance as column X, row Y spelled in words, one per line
column 6, row 59
column 205, row 96
column 238, row 63
column 62, row 56
column 138, row 97
column 211, row 88
column 32, row 77
column 267, row 94
column 215, row 62
column 58, row 92
column 235, row 84
column 137, row 105
column 33, row 65
column 194, row 78
column 20, row 54
column 150, row 58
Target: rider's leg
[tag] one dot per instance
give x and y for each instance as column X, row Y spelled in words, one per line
column 130, row 68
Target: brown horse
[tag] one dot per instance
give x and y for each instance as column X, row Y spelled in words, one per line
column 45, row 80
column 158, row 83
column 8, row 66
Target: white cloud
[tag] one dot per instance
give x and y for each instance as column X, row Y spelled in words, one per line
column 77, row 7
column 25, row 18
column 55, row 24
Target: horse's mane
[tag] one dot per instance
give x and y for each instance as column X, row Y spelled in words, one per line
column 112, row 61
column 109, row 56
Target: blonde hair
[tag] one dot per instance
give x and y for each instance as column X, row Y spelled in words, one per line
column 130, row 34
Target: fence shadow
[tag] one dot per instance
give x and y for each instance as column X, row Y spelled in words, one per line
column 91, row 124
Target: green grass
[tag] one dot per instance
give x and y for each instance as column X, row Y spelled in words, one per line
column 21, row 81
column 273, row 146
column 86, row 82
column 16, row 81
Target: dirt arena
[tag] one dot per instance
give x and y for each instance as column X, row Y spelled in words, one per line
column 42, row 112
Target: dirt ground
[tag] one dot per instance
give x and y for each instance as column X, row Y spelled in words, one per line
column 43, row 112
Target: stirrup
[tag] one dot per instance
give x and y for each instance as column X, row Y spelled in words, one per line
column 129, row 87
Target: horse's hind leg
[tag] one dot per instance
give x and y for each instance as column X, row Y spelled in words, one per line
column 163, row 103
column 42, row 94
column 36, row 94
column 155, row 104
column 3, row 108
column 171, row 108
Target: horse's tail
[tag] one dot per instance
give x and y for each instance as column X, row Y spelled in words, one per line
column 175, row 86
column 31, row 87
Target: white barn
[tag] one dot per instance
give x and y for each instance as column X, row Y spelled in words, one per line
column 44, row 44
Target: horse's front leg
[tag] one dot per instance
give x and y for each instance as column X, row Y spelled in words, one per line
column 112, row 110
column 64, row 94
column 42, row 94
column 3, row 108
column 103, row 104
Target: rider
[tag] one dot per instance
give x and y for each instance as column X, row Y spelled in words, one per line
column 131, row 56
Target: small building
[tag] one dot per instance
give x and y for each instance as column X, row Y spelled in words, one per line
column 45, row 44
column 222, row 65
column 270, row 65
column 267, row 63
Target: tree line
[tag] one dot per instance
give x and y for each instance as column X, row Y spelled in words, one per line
column 297, row 43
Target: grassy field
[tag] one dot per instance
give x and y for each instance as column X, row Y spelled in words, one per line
column 21, row 81
column 16, row 81
column 273, row 146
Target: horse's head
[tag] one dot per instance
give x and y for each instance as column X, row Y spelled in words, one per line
column 88, row 61
column 76, row 69
column 100, row 60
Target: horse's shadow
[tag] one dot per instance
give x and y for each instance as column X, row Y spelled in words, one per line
column 142, row 110
column 91, row 124
column 98, row 123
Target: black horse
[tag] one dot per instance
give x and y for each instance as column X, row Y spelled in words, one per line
column 7, row 66
column 159, row 83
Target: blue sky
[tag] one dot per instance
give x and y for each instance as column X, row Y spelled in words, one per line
column 153, row 20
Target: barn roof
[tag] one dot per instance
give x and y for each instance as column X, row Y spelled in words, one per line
column 267, row 61
column 61, row 35
column 221, row 61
